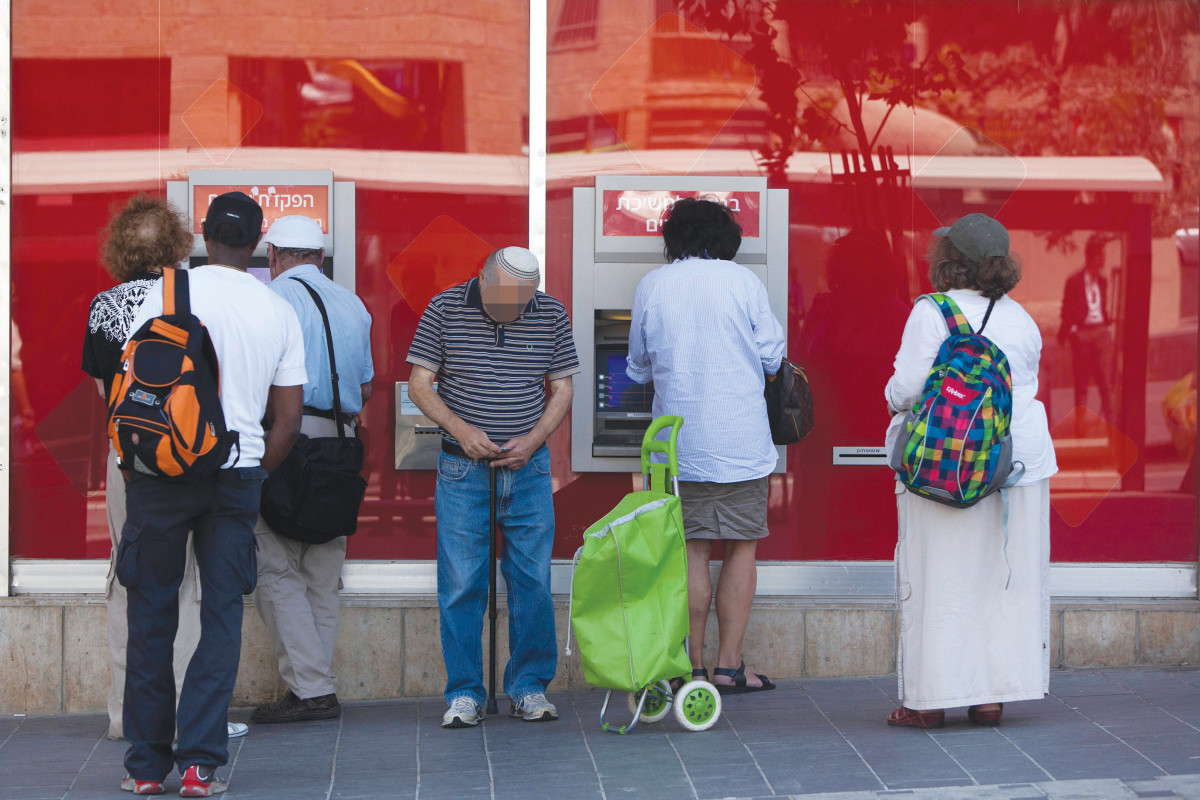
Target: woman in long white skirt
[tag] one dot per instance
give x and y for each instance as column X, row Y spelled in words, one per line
column 974, row 597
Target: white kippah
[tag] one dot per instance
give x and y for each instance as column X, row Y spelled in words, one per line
column 518, row 262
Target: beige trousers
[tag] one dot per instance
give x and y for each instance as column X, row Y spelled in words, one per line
column 186, row 637
column 297, row 598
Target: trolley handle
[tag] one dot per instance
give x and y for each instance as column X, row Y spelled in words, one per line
column 651, row 445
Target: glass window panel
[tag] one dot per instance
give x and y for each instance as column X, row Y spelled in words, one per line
column 965, row 107
column 424, row 111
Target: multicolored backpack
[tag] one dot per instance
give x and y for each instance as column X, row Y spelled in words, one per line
column 955, row 447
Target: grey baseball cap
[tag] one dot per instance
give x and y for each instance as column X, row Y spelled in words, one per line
column 978, row 237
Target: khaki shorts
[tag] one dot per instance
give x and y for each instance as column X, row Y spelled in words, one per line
column 724, row 510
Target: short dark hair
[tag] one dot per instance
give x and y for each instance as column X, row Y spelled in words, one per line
column 230, row 235
column 862, row 261
column 700, row 228
column 297, row 254
column 950, row 269
column 144, row 236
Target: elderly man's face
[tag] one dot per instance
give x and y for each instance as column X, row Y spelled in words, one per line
column 504, row 296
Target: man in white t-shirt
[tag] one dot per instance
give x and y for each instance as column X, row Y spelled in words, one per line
column 260, row 350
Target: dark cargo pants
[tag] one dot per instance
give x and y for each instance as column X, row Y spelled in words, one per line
column 221, row 510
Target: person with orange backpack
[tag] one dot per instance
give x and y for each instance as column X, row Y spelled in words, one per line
column 212, row 352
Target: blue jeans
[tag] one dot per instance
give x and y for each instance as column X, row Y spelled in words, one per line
column 221, row 512
column 525, row 511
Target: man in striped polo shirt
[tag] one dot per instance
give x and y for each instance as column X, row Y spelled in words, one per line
column 492, row 343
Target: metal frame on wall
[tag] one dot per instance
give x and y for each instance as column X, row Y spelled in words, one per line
column 5, row 285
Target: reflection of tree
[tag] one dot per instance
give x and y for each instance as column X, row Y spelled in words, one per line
column 1086, row 78
column 859, row 44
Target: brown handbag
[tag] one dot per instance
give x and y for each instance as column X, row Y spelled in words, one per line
column 789, row 404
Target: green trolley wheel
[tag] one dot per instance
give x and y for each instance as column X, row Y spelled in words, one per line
column 657, row 705
column 697, row 706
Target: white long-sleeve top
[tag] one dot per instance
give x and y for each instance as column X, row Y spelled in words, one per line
column 1014, row 332
column 703, row 331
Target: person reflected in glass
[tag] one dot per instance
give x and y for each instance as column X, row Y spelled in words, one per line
column 1087, row 327
column 846, row 345
column 973, row 591
column 702, row 330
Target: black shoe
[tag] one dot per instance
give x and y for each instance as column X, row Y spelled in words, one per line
column 291, row 708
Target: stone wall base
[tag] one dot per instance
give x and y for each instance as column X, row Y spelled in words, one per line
column 54, row 650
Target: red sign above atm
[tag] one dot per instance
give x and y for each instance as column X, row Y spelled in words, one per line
column 311, row 200
column 638, row 212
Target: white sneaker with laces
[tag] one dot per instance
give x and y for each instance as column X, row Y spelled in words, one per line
column 236, row 729
column 534, row 708
column 464, row 712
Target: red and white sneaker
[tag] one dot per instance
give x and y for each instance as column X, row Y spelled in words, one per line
column 129, row 784
column 201, row 781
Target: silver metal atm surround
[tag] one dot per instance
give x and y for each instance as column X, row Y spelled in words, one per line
column 606, row 271
column 418, row 440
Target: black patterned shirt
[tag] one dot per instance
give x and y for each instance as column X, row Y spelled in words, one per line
column 111, row 313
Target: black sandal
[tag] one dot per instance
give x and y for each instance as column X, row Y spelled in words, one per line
column 739, row 681
column 698, row 674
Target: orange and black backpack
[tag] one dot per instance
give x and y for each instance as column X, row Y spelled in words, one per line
column 164, row 409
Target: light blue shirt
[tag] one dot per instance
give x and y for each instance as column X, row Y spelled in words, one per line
column 351, row 327
column 702, row 330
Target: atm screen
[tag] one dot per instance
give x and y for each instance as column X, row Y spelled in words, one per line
column 617, row 393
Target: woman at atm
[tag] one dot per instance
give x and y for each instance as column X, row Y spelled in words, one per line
column 974, row 597
column 703, row 331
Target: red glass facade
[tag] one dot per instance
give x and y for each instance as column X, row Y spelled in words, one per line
column 425, row 107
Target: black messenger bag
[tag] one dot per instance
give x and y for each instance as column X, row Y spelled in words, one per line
column 315, row 494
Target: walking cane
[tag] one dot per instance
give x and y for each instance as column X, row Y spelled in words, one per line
column 491, row 698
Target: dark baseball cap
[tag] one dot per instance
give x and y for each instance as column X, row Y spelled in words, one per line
column 238, row 209
column 978, row 237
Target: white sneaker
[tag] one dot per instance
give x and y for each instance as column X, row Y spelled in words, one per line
column 237, row 729
column 534, row 708
column 463, row 713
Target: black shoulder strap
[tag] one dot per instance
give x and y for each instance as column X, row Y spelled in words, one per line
column 986, row 316
column 337, row 396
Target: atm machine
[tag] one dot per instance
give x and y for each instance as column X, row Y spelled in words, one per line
column 311, row 192
column 616, row 242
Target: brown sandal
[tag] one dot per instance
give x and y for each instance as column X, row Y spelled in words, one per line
column 990, row 717
column 908, row 718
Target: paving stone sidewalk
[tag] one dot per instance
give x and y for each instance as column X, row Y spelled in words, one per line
column 1101, row 734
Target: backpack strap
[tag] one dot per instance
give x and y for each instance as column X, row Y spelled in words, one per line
column 956, row 321
column 175, row 292
column 986, row 317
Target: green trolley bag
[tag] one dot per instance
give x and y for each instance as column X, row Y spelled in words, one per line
column 629, row 606
column 629, row 603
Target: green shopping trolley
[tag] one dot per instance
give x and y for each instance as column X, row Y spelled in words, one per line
column 629, row 604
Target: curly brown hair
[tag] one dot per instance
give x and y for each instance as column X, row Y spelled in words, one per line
column 144, row 236
column 950, row 269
